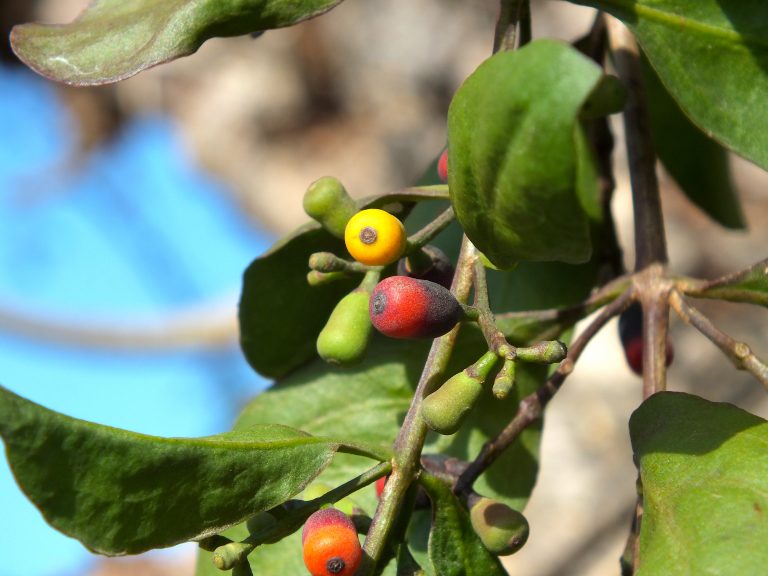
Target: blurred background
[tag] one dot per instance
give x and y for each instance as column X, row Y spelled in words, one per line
column 128, row 213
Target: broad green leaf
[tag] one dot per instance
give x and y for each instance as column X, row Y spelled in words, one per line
column 698, row 164
column 705, row 487
column 119, row 492
column 280, row 314
column 454, row 548
column 520, row 177
column 114, row 39
column 750, row 286
column 712, row 56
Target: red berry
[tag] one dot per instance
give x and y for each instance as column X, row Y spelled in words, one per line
column 331, row 545
column 403, row 307
column 631, row 334
column 380, row 485
column 442, row 166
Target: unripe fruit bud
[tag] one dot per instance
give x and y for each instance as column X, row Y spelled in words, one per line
column 375, row 237
column 345, row 336
column 327, row 201
column 631, row 335
column 429, row 263
column 331, row 546
column 442, row 166
column 445, row 410
column 403, row 307
column 260, row 522
column 501, row 529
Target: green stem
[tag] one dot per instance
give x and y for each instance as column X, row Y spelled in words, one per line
column 425, row 235
column 413, row 432
column 493, row 336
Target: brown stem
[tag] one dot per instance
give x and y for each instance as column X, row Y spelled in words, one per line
column 532, row 406
column 739, row 353
column 493, row 336
column 505, row 36
column 650, row 243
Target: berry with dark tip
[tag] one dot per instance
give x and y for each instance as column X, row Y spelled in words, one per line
column 403, row 307
column 429, row 263
column 375, row 237
column 501, row 529
column 330, row 543
column 631, row 335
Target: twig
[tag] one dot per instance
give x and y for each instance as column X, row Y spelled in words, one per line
column 505, row 36
column 493, row 336
column 410, row 439
column 739, row 353
column 425, row 235
column 532, row 406
column 650, row 243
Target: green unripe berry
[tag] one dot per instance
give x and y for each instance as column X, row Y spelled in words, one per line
column 327, row 201
column 344, row 338
column 501, row 529
column 445, row 410
column 261, row 521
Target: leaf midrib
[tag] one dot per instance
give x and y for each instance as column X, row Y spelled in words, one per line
column 675, row 20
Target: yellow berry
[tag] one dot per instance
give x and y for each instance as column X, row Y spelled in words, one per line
column 375, row 237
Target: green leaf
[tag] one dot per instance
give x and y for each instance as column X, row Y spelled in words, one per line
column 705, row 486
column 119, row 492
column 698, row 164
column 114, row 39
column 521, row 179
column 712, row 56
column 454, row 548
column 280, row 314
column 749, row 286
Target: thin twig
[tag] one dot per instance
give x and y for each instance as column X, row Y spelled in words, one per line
column 425, row 235
column 505, row 36
column 532, row 406
column 493, row 336
column 739, row 353
column 650, row 243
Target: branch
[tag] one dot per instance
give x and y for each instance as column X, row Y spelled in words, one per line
column 410, row 439
column 650, row 243
column 505, row 36
column 739, row 353
column 532, row 406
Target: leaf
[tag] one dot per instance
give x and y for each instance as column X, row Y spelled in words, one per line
column 280, row 314
column 705, row 486
column 114, row 39
column 698, row 164
column 520, row 176
column 119, row 492
column 750, row 286
column 712, row 56
column 454, row 548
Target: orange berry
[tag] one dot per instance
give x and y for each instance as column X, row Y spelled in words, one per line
column 442, row 166
column 375, row 237
column 331, row 545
